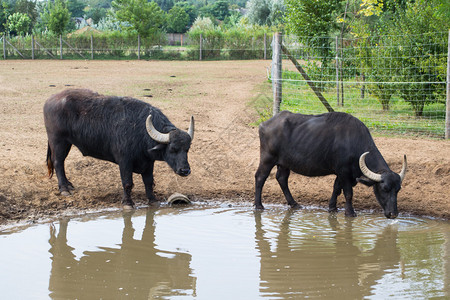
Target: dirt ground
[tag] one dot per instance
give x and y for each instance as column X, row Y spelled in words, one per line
column 224, row 155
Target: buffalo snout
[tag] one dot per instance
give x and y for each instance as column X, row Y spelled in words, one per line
column 184, row 171
column 391, row 215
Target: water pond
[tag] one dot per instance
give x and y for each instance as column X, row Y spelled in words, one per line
column 220, row 251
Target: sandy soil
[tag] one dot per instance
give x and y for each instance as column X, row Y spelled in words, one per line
column 224, row 155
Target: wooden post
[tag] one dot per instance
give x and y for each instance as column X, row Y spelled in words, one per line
column 308, row 80
column 60, row 47
column 92, row 47
column 201, row 45
column 265, row 46
column 447, row 112
column 32, row 46
column 363, row 87
column 4, row 46
column 139, row 47
column 276, row 72
column 337, row 71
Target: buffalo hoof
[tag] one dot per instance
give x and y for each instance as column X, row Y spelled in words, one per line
column 154, row 204
column 259, row 207
column 296, row 206
column 350, row 214
column 127, row 207
column 66, row 193
column 332, row 210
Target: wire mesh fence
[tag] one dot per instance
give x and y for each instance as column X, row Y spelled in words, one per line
column 394, row 84
column 207, row 46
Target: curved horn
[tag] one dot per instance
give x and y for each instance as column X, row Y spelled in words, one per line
column 191, row 128
column 403, row 171
column 365, row 170
column 162, row 138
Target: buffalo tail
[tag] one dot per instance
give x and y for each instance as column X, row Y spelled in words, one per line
column 49, row 162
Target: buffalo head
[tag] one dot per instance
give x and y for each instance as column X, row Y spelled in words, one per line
column 173, row 146
column 385, row 185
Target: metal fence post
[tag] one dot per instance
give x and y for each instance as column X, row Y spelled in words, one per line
column 139, row 47
column 276, row 72
column 337, row 71
column 447, row 112
column 4, row 46
column 60, row 47
column 32, row 46
column 92, row 47
column 201, row 45
column 265, row 46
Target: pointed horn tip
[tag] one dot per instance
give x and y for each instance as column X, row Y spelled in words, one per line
column 191, row 128
column 404, row 167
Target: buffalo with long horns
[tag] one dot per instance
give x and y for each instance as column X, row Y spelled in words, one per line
column 123, row 130
column 318, row 145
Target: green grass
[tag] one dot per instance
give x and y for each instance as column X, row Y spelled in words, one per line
column 400, row 119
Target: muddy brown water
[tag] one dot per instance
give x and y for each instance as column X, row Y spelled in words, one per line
column 220, row 251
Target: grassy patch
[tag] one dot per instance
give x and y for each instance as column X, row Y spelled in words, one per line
column 400, row 119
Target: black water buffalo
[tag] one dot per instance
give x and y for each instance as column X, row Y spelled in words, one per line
column 317, row 145
column 123, row 130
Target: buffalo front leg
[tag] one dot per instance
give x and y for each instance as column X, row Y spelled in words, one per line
column 282, row 178
column 147, row 178
column 127, row 183
column 348, row 194
column 337, row 189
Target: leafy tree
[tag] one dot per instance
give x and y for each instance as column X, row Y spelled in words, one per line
column 417, row 59
column 312, row 21
column 76, row 8
column 277, row 12
column 220, row 9
column 5, row 11
column 177, row 20
column 96, row 14
column 398, row 44
column 28, row 8
column 265, row 12
column 165, row 5
column 202, row 24
column 56, row 16
column 18, row 23
column 216, row 11
column 144, row 17
column 259, row 12
column 190, row 9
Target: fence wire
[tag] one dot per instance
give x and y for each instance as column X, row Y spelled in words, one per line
column 206, row 47
column 394, row 84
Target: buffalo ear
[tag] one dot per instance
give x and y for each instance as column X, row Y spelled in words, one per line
column 366, row 181
column 156, row 151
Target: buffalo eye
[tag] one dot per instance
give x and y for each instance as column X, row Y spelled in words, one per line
column 174, row 149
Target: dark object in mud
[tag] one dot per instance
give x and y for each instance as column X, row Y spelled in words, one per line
column 123, row 130
column 318, row 145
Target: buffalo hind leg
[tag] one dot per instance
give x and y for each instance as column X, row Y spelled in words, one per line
column 59, row 152
column 260, row 178
column 282, row 178
column 337, row 189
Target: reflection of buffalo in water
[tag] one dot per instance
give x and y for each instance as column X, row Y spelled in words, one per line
column 137, row 269
column 332, row 268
